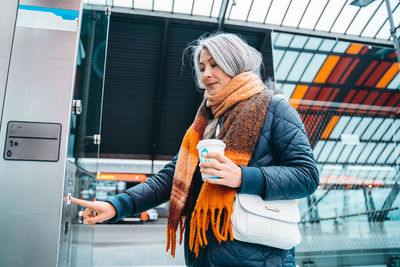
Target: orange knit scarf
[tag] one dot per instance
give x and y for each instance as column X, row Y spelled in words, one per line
column 244, row 104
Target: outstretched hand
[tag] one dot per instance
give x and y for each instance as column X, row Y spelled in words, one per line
column 230, row 174
column 97, row 211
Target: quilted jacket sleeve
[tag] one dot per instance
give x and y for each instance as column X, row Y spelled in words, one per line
column 293, row 173
column 155, row 191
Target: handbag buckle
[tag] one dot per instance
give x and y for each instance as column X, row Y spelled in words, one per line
column 272, row 209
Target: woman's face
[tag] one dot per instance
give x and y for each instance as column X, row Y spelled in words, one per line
column 212, row 76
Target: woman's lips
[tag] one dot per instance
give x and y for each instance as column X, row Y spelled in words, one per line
column 211, row 84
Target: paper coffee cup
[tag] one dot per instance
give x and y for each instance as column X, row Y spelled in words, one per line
column 207, row 146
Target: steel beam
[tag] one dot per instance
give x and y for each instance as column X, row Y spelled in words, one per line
column 222, row 12
column 160, row 83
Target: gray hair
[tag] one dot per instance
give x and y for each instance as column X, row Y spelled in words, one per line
column 231, row 53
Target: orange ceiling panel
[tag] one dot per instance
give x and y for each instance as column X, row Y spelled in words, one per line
column 388, row 76
column 326, row 69
column 354, row 49
column 298, row 95
column 329, row 128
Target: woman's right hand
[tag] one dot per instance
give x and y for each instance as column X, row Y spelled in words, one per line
column 97, row 211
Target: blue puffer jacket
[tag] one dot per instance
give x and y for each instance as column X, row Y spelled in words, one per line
column 290, row 172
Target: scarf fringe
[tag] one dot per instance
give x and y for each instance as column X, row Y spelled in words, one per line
column 171, row 235
column 202, row 217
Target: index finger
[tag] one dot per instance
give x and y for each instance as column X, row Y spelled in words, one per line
column 82, row 202
column 219, row 156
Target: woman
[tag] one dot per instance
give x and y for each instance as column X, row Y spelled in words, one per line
column 259, row 130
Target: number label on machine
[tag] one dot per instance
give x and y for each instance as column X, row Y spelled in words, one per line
column 36, row 141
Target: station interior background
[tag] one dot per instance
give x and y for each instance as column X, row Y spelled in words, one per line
column 333, row 61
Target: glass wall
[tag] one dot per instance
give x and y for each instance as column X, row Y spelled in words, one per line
column 348, row 96
column 85, row 130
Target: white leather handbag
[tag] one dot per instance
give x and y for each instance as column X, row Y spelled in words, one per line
column 270, row 223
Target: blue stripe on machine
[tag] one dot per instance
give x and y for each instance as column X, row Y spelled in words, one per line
column 64, row 13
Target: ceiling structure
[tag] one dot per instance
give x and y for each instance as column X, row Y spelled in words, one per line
column 337, row 19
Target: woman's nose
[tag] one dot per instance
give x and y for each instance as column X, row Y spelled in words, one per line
column 207, row 72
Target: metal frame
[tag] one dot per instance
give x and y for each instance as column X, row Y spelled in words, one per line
column 250, row 25
column 159, row 94
column 222, row 12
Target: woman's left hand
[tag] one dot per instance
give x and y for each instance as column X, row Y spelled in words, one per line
column 230, row 174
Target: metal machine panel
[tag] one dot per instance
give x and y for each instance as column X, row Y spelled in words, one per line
column 39, row 88
column 32, row 141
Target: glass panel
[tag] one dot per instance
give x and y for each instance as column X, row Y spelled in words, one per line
column 285, row 65
column 240, row 10
column 343, row 21
column 367, row 151
column 142, row 4
column 301, row 64
column 277, row 55
column 161, row 5
column 352, row 125
column 327, row 45
column 329, row 15
column 362, row 18
column 299, row 41
column 123, row 3
column 312, row 14
column 376, row 21
column 327, row 151
column 313, row 68
column 389, row 149
column 384, row 33
column 82, row 235
column 201, row 7
column 394, row 127
column 282, row 39
column 395, row 83
column 336, row 152
column 277, row 11
column 383, row 128
column 86, row 127
column 362, row 126
column 313, row 43
column 287, row 90
column 183, row 6
column 318, row 147
column 396, row 13
column 341, row 47
column 345, row 154
column 259, row 10
column 216, row 8
column 358, row 149
column 294, row 13
column 340, row 126
column 372, row 128
column 376, row 153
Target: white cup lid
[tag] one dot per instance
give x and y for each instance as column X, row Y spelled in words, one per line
column 210, row 142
